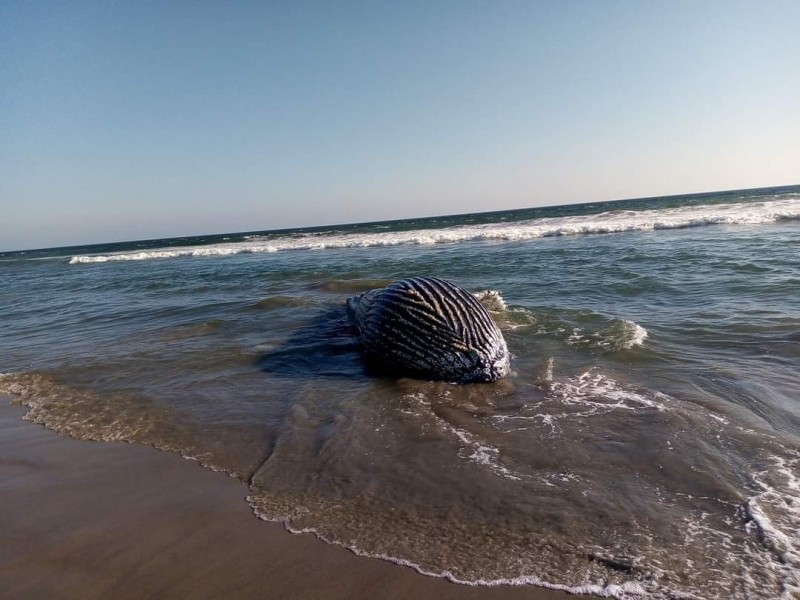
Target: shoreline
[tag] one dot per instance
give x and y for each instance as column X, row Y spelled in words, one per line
column 84, row 519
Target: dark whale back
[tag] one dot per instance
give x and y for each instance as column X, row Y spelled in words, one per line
column 432, row 328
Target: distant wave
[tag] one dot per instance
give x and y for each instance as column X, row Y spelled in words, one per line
column 751, row 213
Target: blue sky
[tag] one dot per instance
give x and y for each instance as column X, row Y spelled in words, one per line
column 150, row 119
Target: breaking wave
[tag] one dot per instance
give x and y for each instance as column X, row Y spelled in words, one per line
column 751, row 213
column 622, row 334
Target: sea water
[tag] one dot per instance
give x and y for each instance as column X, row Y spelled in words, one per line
column 647, row 441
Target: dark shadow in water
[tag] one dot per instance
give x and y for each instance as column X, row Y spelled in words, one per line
column 327, row 347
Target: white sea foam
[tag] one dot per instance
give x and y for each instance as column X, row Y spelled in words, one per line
column 629, row 590
column 621, row 335
column 472, row 447
column 492, row 300
column 774, row 514
column 636, row 334
column 602, row 393
column 751, row 213
column 480, row 452
column 587, row 395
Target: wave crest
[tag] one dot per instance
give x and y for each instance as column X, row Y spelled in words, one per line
column 751, row 213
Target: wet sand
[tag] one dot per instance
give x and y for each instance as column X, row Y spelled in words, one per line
column 98, row 520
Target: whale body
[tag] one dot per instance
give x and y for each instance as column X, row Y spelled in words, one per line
column 431, row 328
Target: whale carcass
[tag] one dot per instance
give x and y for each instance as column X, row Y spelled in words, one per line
column 431, row 328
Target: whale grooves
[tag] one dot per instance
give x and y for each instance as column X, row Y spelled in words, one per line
column 429, row 328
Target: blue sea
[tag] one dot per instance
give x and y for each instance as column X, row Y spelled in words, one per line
column 646, row 443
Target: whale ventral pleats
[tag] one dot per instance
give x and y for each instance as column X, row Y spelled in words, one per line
column 430, row 328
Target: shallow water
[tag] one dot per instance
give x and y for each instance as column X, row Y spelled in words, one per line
column 647, row 441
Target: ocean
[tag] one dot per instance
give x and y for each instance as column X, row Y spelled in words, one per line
column 646, row 443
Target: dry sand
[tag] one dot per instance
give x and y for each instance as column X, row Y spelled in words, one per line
column 97, row 520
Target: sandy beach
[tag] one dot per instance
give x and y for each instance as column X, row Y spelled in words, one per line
column 99, row 520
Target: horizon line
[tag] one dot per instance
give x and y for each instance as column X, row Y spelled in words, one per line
column 400, row 220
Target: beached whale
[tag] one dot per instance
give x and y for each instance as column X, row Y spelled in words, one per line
column 431, row 328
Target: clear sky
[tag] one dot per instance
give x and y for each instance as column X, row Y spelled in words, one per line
column 141, row 119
